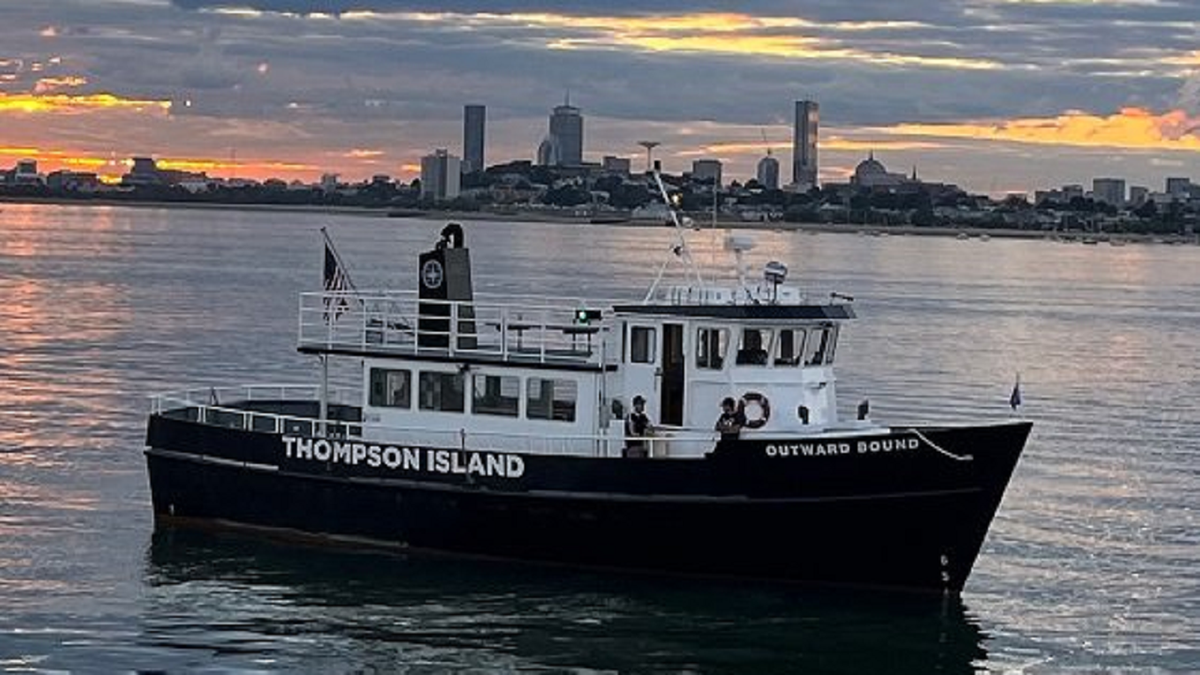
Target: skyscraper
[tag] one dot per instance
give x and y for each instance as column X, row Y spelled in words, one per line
column 474, row 119
column 804, row 146
column 768, row 172
column 566, row 126
column 440, row 174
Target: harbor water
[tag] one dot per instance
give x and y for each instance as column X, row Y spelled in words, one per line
column 1091, row 565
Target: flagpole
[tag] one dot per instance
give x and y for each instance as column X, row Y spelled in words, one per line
column 324, row 412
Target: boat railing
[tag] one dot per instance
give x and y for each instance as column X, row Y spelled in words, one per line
column 294, row 410
column 401, row 323
column 242, row 394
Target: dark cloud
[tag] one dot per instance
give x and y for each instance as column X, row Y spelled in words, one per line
column 402, row 75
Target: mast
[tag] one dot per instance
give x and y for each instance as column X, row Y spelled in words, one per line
column 680, row 250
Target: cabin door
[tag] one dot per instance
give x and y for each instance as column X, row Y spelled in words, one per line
column 642, row 366
column 672, row 384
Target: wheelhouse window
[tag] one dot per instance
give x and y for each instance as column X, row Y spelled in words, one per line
column 711, row 345
column 789, row 347
column 819, row 349
column 391, row 388
column 641, row 344
column 548, row 399
column 496, row 395
column 444, row 392
column 755, row 345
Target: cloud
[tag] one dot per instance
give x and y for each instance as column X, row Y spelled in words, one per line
column 836, row 142
column 1129, row 129
column 71, row 104
column 48, row 84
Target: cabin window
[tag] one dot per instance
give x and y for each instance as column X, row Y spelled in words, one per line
column 832, row 345
column 756, row 344
column 496, row 395
column 789, row 347
column 551, row 399
column 641, row 344
column 391, row 388
column 441, row 391
column 819, row 349
column 711, row 344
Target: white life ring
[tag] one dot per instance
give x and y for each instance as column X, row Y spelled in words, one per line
column 764, row 408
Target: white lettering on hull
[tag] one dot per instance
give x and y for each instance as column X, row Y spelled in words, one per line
column 461, row 462
column 879, row 446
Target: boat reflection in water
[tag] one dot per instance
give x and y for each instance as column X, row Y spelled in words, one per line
column 296, row 606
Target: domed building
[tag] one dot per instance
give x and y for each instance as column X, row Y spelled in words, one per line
column 870, row 173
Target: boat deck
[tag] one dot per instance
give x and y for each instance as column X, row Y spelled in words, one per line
column 390, row 323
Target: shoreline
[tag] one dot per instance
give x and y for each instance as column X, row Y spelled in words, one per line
column 971, row 232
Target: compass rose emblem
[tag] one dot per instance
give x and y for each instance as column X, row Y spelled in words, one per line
column 431, row 274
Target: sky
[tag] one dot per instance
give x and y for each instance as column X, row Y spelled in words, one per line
column 997, row 96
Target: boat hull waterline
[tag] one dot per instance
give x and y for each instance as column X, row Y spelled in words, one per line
column 906, row 509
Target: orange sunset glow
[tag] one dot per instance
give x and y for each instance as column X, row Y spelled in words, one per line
column 372, row 90
column 1130, row 128
column 75, row 104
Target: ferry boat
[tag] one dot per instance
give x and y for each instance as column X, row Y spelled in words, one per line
column 499, row 427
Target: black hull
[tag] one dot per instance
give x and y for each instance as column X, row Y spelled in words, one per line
column 911, row 518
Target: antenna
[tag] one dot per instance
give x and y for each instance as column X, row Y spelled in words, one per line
column 680, row 249
column 764, row 135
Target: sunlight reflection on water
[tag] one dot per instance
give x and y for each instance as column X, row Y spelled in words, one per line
column 1090, row 564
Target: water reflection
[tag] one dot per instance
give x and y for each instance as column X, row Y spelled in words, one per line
column 289, row 605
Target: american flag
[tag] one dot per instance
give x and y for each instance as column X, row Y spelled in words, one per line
column 336, row 282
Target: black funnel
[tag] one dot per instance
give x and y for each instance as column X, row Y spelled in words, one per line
column 444, row 277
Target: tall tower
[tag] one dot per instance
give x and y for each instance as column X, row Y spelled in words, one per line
column 474, row 119
column 566, row 125
column 649, row 146
column 804, row 145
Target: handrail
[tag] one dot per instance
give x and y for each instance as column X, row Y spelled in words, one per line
column 227, row 415
column 402, row 322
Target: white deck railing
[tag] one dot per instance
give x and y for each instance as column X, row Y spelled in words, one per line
column 402, row 323
column 233, row 407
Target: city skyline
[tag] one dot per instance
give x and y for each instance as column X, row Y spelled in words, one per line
column 277, row 88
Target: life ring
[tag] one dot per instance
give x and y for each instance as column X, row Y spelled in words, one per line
column 764, row 407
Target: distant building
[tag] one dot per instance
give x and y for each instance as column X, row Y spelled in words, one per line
column 73, row 181
column 440, row 175
column 870, row 173
column 768, row 172
column 707, row 170
column 1138, row 195
column 1179, row 187
column 143, row 172
column 474, row 121
column 1070, row 192
column 804, row 145
column 329, row 182
column 26, row 173
column 549, row 153
column 1109, row 190
column 621, row 165
column 566, row 126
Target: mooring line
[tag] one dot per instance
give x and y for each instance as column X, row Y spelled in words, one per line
column 935, row 446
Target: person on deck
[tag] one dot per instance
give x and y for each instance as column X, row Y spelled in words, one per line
column 637, row 427
column 730, row 423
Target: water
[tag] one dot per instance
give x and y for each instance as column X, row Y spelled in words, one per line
column 1092, row 563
